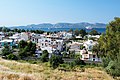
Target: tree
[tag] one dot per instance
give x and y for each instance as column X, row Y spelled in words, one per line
column 26, row 48
column 15, row 30
column 83, row 32
column 6, row 50
column 22, row 54
column 76, row 32
column 71, row 30
column 22, row 30
column 82, row 47
column 55, row 60
column 5, row 29
column 109, row 48
column 71, row 54
column 78, row 61
column 96, row 49
column 45, row 55
column 22, row 44
column 94, row 32
column 19, row 30
column 64, row 54
column 12, row 57
column 27, row 30
column 33, row 48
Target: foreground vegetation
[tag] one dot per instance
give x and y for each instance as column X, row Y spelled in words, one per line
column 56, row 68
column 109, row 48
column 13, row 70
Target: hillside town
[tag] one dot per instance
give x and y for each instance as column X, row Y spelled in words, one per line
column 60, row 40
column 59, row 43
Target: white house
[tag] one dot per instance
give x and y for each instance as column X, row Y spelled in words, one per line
column 15, row 37
column 24, row 36
column 20, row 36
column 50, row 44
column 89, row 44
column 74, row 46
column 35, row 37
column 7, row 42
column 66, row 35
column 87, row 54
column 93, row 36
column 2, row 35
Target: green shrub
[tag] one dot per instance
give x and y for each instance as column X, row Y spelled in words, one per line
column 6, row 50
column 64, row 54
column 44, row 57
column 79, row 62
column 78, row 56
column 22, row 54
column 64, row 66
column 12, row 57
column 109, row 47
column 113, row 68
column 72, row 64
column 55, row 60
column 81, row 47
column 105, row 61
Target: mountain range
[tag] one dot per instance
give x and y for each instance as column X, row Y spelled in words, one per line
column 61, row 25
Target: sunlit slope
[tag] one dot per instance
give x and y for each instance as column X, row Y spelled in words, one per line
column 12, row 70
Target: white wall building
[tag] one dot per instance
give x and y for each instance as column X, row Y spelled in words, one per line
column 20, row 36
column 87, row 54
column 50, row 44
column 89, row 44
column 2, row 35
column 24, row 36
column 74, row 46
column 93, row 36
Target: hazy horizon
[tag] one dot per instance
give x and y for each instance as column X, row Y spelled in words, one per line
column 26, row 12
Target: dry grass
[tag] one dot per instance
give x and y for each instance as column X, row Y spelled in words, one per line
column 12, row 70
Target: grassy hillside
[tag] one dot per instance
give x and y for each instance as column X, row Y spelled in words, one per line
column 12, row 70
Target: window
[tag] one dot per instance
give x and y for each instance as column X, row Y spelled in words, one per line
column 45, row 40
column 8, row 42
column 45, row 44
column 93, row 56
column 93, row 59
column 37, row 40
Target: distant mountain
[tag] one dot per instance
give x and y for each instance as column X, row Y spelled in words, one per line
column 61, row 25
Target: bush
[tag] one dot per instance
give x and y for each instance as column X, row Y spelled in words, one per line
column 64, row 54
column 64, row 66
column 6, row 50
column 77, row 56
column 72, row 64
column 109, row 47
column 113, row 68
column 79, row 62
column 105, row 61
column 93, row 32
column 22, row 54
column 82, row 47
column 26, row 48
column 45, row 55
column 12, row 57
column 55, row 60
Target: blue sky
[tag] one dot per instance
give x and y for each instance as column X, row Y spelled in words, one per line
column 24, row 12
